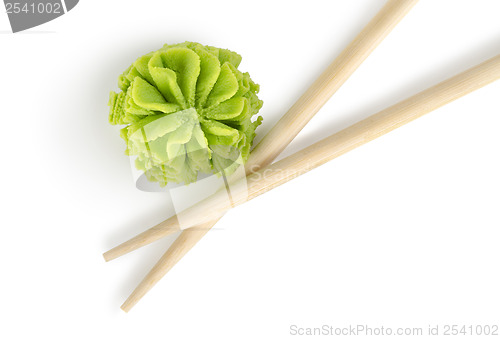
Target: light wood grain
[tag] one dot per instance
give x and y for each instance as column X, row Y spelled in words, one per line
column 302, row 111
column 183, row 244
column 332, row 78
column 336, row 145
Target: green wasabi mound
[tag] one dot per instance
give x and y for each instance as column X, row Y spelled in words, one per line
column 187, row 110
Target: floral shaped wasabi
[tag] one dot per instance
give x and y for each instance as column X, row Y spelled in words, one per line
column 187, row 110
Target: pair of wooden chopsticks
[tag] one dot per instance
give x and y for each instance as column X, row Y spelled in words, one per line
column 290, row 125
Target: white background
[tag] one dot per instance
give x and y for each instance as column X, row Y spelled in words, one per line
column 401, row 232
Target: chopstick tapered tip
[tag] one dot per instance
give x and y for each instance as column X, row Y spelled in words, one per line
column 168, row 227
column 115, row 252
column 107, row 257
column 136, row 295
column 126, row 307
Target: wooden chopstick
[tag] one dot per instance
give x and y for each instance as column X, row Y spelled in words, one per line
column 301, row 112
column 336, row 145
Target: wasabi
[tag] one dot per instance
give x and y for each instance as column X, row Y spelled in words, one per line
column 187, row 110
